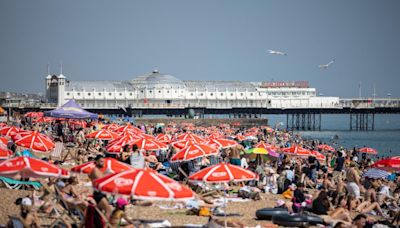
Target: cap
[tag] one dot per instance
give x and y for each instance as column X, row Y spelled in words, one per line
column 26, row 201
column 121, row 202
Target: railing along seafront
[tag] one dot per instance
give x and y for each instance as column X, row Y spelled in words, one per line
column 343, row 103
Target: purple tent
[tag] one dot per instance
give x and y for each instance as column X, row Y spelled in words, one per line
column 71, row 110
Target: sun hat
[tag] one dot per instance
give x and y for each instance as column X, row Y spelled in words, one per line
column 26, row 201
column 121, row 202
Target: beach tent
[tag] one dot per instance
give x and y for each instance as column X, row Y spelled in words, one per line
column 71, row 110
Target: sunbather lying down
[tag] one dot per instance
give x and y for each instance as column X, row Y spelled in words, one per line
column 219, row 223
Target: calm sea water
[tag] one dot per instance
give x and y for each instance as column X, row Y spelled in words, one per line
column 385, row 138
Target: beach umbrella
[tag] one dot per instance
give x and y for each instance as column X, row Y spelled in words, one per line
column 9, row 131
column 111, row 165
column 389, row 164
column 21, row 134
column 43, row 120
column 4, row 140
column 5, row 153
column 257, row 150
column 376, row 173
column 183, row 143
column 190, row 136
column 240, row 137
column 149, row 144
column 164, row 138
column 367, row 150
column 30, row 167
column 117, row 145
column 36, row 141
column 128, row 128
column 79, row 123
column 102, row 135
column 143, row 184
column 325, row 147
column 2, row 124
column 223, row 172
column 34, row 114
column 297, row 151
column 223, row 143
column 318, row 155
column 265, row 146
column 111, row 127
column 194, row 151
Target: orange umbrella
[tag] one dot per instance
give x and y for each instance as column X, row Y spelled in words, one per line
column 367, row 150
column 389, row 164
column 36, row 141
column 111, row 165
column 30, row 167
column 223, row 172
column 144, row 184
column 103, row 135
column 149, row 144
column 194, row 151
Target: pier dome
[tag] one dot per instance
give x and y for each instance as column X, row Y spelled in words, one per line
column 157, row 80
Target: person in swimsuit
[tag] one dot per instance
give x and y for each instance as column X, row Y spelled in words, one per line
column 119, row 213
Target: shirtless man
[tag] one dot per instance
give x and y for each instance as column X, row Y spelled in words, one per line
column 100, row 198
column 353, row 181
column 234, row 156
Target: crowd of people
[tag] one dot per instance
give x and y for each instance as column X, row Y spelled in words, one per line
column 333, row 187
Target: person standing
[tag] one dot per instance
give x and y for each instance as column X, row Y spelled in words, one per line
column 338, row 170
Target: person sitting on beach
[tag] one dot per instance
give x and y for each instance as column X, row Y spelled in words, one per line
column 359, row 221
column 27, row 217
column 125, row 154
column 152, row 161
column 119, row 213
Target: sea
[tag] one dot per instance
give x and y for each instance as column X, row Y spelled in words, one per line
column 385, row 138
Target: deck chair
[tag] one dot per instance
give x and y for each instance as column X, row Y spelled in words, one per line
column 57, row 152
column 17, row 184
column 76, row 214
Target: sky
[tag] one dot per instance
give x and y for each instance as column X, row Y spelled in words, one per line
column 204, row 40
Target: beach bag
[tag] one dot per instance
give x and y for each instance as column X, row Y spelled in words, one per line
column 204, row 211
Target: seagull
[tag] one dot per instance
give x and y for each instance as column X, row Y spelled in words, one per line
column 276, row 52
column 325, row 66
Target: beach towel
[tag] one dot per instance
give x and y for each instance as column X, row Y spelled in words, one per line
column 92, row 218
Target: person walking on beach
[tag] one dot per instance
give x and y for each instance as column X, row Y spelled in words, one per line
column 338, row 170
column 353, row 181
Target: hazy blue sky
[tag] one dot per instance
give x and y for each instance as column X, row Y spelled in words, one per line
column 206, row 40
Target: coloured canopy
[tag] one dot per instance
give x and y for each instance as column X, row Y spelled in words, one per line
column 71, row 110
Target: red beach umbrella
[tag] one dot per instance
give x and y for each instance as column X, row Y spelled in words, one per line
column 144, row 184
column 164, row 138
column 318, row 155
column 36, row 142
column 223, row 172
column 194, row 151
column 223, row 143
column 367, row 150
column 111, row 165
column 4, row 140
column 9, row 131
column 128, row 128
column 326, row 147
column 34, row 114
column 4, row 152
column 389, row 164
column 111, row 127
column 183, row 143
column 44, row 120
column 117, row 145
column 21, row 134
column 30, row 167
column 190, row 136
column 148, row 144
column 103, row 135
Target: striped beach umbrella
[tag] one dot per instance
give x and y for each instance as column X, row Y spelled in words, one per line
column 103, row 135
column 36, row 141
column 325, row 147
column 223, row 172
column 194, row 151
column 367, row 150
column 376, row 173
column 389, row 164
column 111, row 165
column 143, row 184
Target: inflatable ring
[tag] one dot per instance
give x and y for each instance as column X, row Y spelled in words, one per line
column 290, row 220
column 314, row 220
column 268, row 213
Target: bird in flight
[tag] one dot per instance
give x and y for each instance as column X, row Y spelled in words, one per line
column 276, row 52
column 325, row 66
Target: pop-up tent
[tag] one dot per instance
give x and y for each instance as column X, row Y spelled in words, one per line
column 71, row 110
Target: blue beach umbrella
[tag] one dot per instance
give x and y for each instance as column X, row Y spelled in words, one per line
column 376, row 173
